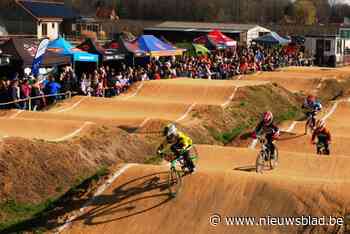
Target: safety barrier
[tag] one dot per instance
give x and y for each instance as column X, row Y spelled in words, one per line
column 29, row 100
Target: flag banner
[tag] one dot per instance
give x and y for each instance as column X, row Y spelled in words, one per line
column 39, row 56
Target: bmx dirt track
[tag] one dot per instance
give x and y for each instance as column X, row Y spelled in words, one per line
column 226, row 183
column 152, row 100
column 137, row 201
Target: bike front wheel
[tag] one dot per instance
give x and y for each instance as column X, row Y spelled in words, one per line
column 260, row 162
column 274, row 160
column 307, row 125
column 174, row 182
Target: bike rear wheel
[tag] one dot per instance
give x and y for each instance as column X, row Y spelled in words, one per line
column 321, row 149
column 174, row 182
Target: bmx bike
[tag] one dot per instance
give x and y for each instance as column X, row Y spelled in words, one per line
column 310, row 122
column 264, row 160
column 178, row 170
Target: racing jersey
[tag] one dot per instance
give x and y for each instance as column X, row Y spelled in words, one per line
column 322, row 135
column 182, row 141
column 312, row 106
column 268, row 130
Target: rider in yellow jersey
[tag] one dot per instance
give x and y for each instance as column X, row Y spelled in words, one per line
column 180, row 145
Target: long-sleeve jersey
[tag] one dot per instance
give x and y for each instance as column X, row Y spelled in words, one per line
column 322, row 135
column 183, row 141
column 268, row 130
column 312, row 106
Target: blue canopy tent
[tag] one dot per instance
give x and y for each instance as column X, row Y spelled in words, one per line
column 272, row 38
column 147, row 46
column 155, row 47
column 152, row 46
column 63, row 47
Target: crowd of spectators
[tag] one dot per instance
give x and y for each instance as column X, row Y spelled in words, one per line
column 226, row 64
column 107, row 81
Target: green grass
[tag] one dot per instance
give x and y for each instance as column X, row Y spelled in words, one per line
column 153, row 160
column 17, row 212
column 291, row 114
column 17, row 216
column 215, row 134
column 243, row 104
column 229, row 136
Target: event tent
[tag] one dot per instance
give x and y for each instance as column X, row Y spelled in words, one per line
column 63, row 47
column 194, row 49
column 112, row 51
column 22, row 51
column 149, row 45
column 272, row 38
column 216, row 40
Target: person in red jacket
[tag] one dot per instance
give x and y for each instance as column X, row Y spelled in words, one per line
column 323, row 136
column 269, row 129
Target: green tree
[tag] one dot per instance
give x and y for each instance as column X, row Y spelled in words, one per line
column 323, row 9
column 305, row 12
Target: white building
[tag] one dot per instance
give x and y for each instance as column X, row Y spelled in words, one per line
column 36, row 18
column 187, row 31
column 48, row 28
column 329, row 50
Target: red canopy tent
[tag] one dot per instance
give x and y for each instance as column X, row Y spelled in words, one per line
column 221, row 38
column 216, row 39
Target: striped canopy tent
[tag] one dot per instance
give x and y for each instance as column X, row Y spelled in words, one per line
column 149, row 45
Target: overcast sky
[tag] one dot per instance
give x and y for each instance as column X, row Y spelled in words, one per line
column 344, row 1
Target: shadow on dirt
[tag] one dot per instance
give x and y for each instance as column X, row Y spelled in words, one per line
column 246, row 168
column 135, row 197
column 290, row 136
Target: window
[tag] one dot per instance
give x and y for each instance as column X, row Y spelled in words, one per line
column 327, row 46
column 95, row 28
column 44, row 30
column 339, row 46
column 53, row 25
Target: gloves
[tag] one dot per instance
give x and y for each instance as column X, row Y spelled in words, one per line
column 254, row 135
column 276, row 135
column 160, row 152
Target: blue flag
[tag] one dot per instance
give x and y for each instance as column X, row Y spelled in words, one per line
column 39, row 56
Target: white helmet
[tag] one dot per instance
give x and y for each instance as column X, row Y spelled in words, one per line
column 170, row 130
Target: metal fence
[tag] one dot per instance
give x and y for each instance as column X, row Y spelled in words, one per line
column 29, row 101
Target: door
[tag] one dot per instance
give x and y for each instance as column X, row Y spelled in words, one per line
column 319, row 51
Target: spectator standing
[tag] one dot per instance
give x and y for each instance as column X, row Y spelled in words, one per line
column 35, row 93
column 26, row 91
column 15, row 94
column 3, row 93
column 53, row 89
